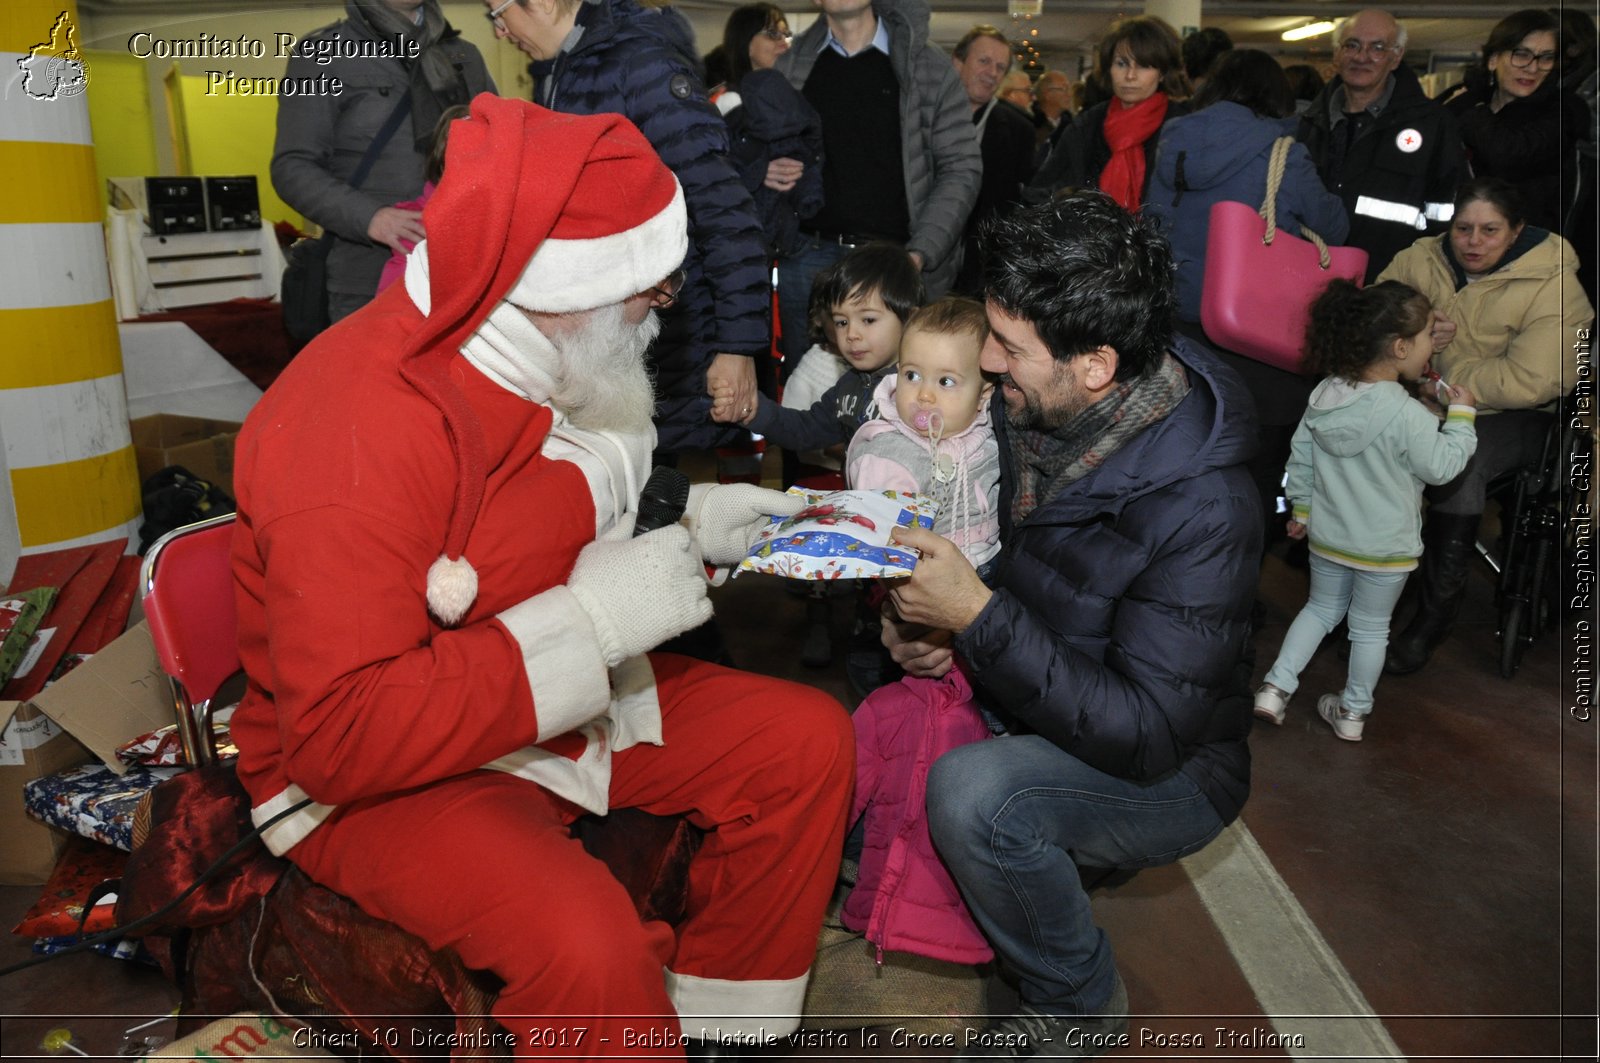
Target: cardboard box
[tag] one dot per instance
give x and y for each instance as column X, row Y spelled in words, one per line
column 117, row 694
column 199, row 444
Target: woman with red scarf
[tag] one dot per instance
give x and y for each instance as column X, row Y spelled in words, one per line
column 1112, row 145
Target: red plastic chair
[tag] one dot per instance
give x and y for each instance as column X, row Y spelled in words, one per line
column 187, row 586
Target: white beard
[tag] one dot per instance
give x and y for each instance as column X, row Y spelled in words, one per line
column 602, row 382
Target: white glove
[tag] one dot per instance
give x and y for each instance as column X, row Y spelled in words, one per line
column 726, row 518
column 640, row 592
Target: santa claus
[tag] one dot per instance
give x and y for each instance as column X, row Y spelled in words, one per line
column 446, row 620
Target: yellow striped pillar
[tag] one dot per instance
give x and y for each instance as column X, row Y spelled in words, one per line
column 65, row 452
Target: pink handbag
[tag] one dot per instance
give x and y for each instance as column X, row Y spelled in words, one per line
column 1259, row 283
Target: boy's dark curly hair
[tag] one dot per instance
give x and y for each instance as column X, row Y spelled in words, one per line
column 1349, row 328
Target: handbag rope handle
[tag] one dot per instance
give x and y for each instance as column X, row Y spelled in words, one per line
column 1269, row 207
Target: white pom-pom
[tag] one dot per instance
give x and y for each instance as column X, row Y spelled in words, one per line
column 452, row 588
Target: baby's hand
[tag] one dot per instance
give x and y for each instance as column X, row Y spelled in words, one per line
column 1295, row 530
column 1457, row 394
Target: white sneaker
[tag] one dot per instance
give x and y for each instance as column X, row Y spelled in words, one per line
column 1272, row 704
column 1346, row 725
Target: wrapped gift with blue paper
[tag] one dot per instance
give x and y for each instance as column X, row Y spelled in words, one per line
column 93, row 801
column 841, row 535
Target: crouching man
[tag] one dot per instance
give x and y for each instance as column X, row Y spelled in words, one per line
column 446, row 621
column 1130, row 535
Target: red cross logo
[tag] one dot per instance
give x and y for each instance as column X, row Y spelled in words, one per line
column 1408, row 141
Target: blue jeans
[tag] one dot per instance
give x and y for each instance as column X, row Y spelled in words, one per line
column 1337, row 591
column 1012, row 817
column 795, row 273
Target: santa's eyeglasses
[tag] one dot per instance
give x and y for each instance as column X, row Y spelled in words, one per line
column 665, row 294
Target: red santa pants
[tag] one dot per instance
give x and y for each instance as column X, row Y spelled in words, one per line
column 484, row 864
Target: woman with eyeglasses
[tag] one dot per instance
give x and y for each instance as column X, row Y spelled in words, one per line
column 775, row 136
column 1515, row 121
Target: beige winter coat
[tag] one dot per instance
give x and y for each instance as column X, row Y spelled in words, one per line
column 1515, row 328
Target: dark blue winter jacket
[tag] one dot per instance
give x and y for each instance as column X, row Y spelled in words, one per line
column 1221, row 153
column 631, row 60
column 1121, row 605
column 773, row 121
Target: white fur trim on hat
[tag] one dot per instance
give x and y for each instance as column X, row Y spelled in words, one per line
column 565, row 276
column 452, row 588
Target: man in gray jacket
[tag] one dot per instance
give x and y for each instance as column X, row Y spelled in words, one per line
column 389, row 54
column 899, row 159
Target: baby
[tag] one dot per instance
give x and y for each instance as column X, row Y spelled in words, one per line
column 933, row 432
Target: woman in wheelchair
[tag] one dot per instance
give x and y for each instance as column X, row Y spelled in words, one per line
column 1508, row 292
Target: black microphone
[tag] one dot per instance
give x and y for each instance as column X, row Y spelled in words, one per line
column 663, row 500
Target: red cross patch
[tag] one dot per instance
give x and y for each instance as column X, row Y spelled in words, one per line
column 1408, row 140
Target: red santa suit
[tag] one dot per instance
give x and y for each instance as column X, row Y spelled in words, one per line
column 428, row 698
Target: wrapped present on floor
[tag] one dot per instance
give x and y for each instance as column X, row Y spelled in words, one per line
column 163, row 747
column 118, row 949
column 59, row 912
column 93, row 801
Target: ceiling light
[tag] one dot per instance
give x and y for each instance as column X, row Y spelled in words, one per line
column 1313, row 29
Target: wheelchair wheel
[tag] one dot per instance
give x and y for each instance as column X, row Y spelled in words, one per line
column 1511, row 643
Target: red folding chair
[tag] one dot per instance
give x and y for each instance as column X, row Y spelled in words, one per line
column 187, row 585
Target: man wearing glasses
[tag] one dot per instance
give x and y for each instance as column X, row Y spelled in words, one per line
column 1393, row 155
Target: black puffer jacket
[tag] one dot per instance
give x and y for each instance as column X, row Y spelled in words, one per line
column 630, row 60
column 1081, row 153
column 1121, row 605
column 773, row 121
column 1398, row 180
column 1531, row 142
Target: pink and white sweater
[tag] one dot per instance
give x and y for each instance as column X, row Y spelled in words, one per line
column 962, row 473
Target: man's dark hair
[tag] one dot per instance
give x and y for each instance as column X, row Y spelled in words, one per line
column 1202, row 49
column 1086, row 274
column 1250, row 78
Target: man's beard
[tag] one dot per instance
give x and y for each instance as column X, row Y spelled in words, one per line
column 602, row 381
column 1037, row 413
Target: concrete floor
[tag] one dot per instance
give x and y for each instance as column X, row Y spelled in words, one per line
column 1429, row 892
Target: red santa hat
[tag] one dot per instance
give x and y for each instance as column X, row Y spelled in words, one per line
column 553, row 212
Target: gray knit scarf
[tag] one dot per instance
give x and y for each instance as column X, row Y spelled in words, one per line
column 1044, row 463
column 436, row 84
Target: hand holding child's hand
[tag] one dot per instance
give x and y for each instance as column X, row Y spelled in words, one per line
column 1295, row 530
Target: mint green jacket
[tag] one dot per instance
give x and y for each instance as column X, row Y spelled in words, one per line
column 1357, row 465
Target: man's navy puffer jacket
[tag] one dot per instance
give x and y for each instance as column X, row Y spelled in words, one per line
column 1121, row 605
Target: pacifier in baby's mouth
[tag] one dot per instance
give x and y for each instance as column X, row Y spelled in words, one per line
column 921, row 419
